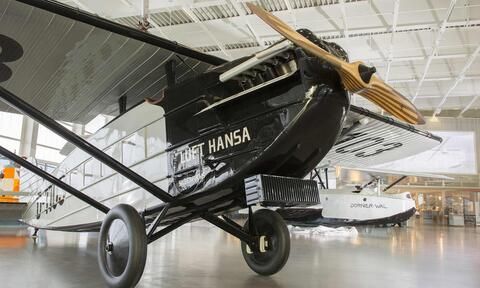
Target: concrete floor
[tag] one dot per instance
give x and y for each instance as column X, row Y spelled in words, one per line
column 198, row 255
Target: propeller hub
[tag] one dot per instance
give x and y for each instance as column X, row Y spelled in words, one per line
column 366, row 72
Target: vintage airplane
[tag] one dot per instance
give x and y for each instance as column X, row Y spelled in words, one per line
column 214, row 136
column 372, row 203
column 367, row 140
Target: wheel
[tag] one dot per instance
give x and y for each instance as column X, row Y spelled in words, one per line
column 270, row 226
column 122, row 247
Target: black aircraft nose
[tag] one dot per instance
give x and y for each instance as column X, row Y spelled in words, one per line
column 330, row 47
column 309, row 35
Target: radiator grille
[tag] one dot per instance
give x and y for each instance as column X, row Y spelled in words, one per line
column 271, row 190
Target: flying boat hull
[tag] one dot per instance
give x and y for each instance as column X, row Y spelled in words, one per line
column 342, row 208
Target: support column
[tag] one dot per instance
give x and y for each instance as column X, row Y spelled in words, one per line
column 476, row 205
column 28, row 137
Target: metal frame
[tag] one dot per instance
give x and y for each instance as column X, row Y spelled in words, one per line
column 170, row 201
column 230, row 228
column 319, row 178
column 156, row 222
column 171, row 227
column 394, row 183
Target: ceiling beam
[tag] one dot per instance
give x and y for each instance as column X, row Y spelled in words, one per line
column 369, row 32
column 458, row 79
column 475, row 98
column 195, row 19
column 145, row 8
column 243, row 15
column 413, row 80
column 396, row 9
column 417, row 58
column 164, row 5
column 344, row 18
column 148, row 20
column 145, row 15
column 434, row 51
column 433, row 96
column 157, row 27
column 171, row 5
column 291, row 12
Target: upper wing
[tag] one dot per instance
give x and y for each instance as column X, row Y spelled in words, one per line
column 371, row 139
column 73, row 65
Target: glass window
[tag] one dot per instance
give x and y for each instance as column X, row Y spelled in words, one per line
column 98, row 122
column 92, row 171
column 114, row 151
column 12, row 145
column 49, row 167
column 133, row 148
column 76, row 177
column 11, row 125
column 10, row 130
column 66, row 178
column 49, row 145
column 156, row 137
column 48, row 154
column 48, row 138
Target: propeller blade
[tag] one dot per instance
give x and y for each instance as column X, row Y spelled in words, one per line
column 356, row 77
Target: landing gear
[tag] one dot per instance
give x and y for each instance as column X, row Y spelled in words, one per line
column 122, row 247
column 35, row 235
column 274, row 242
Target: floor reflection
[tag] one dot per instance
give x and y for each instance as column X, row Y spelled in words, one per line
column 198, row 255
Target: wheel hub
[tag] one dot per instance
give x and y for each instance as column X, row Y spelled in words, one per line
column 269, row 250
column 262, row 245
column 117, row 247
column 109, row 248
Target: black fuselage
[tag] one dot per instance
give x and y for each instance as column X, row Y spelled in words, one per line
column 283, row 125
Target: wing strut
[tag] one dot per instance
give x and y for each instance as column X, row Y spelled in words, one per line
column 54, row 180
column 395, row 183
column 22, row 106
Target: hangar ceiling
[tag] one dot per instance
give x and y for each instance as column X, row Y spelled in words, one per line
column 427, row 49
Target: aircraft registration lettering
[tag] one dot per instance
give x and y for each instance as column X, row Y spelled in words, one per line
column 193, row 154
column 366, row 147
column 368, row 205
column 227, row 140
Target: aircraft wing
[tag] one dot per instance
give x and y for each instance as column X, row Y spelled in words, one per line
column 386, row 172
column 73, row 65
column 370, row 139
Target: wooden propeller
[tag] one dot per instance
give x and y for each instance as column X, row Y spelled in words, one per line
column 357, row 77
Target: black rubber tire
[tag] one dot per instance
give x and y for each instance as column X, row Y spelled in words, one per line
column 134, row 263
column 268, row 223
